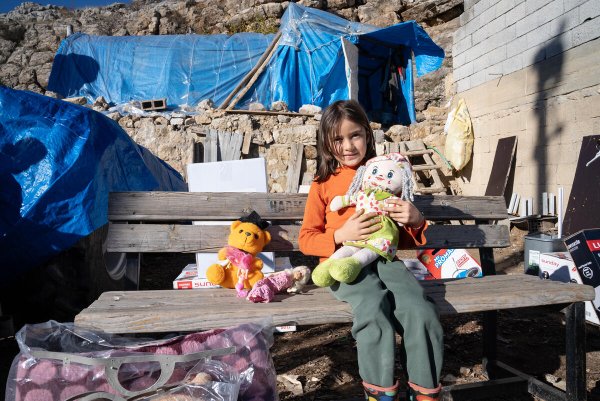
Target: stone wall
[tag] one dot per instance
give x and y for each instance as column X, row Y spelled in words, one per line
column 545, row 89
column 31, row 34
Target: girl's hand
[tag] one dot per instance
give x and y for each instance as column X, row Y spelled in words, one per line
column 358, row 227
column 404, row 212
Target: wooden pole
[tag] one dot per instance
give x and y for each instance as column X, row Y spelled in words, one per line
column 253, row 79
column 252, row 71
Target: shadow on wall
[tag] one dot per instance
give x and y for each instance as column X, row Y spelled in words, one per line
column 549, row 74
column 72, row 85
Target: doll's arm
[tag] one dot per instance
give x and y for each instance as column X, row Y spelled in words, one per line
column 341, row 201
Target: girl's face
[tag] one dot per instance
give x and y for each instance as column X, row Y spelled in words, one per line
column 350, row 144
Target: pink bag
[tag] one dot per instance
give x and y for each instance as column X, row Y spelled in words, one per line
column 61, row 362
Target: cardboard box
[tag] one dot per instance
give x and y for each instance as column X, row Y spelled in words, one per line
column 559, row 266
column 188, row 279
column 556, row 266
column 248, row 175
column 584, row 247
column 449, row 263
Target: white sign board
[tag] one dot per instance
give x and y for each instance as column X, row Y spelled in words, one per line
column 248, row 175
column 351, row 62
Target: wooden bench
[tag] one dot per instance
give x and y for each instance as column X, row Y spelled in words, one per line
column 460, row 222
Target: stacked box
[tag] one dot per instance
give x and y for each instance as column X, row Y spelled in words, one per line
column 559, row 266
column 584, row 247
column 449, row 263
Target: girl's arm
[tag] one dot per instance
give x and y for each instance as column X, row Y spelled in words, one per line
column 414, row 224
column 314, row 239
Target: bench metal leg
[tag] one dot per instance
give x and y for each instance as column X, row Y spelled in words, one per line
column 575, row 352
column 490, row 324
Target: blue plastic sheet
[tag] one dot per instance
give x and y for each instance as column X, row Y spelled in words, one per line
column 308, row 66
column 58, row 162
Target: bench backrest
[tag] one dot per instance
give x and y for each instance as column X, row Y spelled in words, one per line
column 166, row 220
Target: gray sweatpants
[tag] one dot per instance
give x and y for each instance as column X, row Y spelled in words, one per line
column 386, row 298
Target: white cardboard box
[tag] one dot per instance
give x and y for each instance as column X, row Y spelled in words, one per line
column 559, row 266
column 248, row 175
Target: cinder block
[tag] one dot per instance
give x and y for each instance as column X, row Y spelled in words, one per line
column 463, row 71
column 571, row 4
column 458, row 59
column 569, row 20
column 539, row 35
column 526, row 24
column 462, row 45
column 531, row 6
column 153, row 104
column 463, row 85
column 503, row 6
column 515, row 14
column 511, row 65
column 554, row 9
column 518, row 46
column 559, row 44
column 588, row 30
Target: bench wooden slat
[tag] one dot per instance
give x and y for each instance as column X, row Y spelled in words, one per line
column 193, row 310
column 188, row 206
column 190, row 238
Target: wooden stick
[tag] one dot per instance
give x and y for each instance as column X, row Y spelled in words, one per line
column 252, row 71
column 253, row 79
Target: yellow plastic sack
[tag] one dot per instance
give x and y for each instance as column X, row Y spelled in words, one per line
column 459, row 139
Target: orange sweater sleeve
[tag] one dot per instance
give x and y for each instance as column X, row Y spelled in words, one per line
column 411, row 237
column 314, row 239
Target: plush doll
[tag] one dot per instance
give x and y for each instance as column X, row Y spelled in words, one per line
column 239, row 266
column 383, row 177
column 292, row 280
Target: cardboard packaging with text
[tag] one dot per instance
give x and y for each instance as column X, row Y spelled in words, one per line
column 449, row 263
column 559, row 266
column 584, row 247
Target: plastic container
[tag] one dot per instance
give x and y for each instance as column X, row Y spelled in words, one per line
column 537, row 243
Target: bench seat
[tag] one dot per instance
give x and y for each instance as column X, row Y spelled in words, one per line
column 194, row 310
column 161, row 222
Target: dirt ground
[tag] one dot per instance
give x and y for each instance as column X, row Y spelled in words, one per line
column 319, row 362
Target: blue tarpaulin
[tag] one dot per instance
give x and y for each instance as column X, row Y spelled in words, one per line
column 58, row 162
column 308, row 66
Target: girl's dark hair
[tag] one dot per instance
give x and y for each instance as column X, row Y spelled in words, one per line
column 331, row 120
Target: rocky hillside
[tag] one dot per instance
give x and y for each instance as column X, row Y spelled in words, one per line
column 31, row 33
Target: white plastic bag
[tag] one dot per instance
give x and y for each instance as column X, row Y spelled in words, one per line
column 459, row 139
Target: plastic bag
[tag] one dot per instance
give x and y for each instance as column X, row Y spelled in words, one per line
column 207, row 381
column 459, row 139
column 62, row 362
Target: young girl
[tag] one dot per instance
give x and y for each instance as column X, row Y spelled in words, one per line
column 385, row 297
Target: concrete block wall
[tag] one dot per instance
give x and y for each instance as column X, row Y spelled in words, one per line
column 500, row 37
column 529, row 68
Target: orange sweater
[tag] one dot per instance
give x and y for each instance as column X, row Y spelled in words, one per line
column 316, row 234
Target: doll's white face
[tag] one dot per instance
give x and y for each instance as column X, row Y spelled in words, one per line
column 386, row 175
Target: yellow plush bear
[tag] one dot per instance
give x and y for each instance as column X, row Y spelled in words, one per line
column 239, row 266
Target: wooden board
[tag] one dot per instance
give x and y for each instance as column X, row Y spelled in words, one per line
column 196, row 238
column 188, row 206
column 582, row 207
column 504, row 159
column 194, row 310
column 294, row 167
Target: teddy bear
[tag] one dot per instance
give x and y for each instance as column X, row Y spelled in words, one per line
column 239, row 266
column 381, row 178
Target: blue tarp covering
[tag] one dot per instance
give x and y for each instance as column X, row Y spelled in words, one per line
column 58, row 162
column 308, row 66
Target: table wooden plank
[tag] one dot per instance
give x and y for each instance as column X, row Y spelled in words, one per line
column 196, row 238
column 193, row 310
